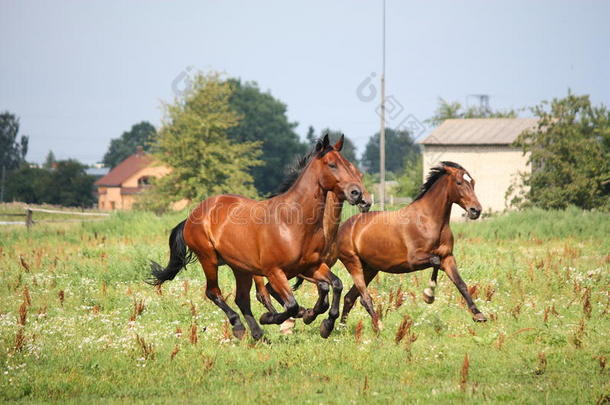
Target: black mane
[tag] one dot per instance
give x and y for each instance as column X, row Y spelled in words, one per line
column 435, row 173
column 294, row 171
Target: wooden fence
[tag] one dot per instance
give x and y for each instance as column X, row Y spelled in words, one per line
column 29, row 216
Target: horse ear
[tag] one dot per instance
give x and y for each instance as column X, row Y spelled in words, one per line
column 325, row 141
column 319, row 145
column 339, row 145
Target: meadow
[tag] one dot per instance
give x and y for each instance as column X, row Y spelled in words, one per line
column 79, row 325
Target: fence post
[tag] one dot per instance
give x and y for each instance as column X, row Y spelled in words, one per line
column 28, row 218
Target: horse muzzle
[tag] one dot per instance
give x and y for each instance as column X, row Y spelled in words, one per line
column 474, row 212
column 353, row 195
column 365, row 203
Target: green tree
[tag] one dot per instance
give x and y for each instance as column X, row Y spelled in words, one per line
column 68, row 185
column 12, row 150
column 12, row 147
column 349, row 149
column 447, row 110
column 263, row 119
column 400, row 149
column 29, row 184
column 49, row 160
column 569, row 153
column 194, row 142
column 140, row 134
column 409, row 182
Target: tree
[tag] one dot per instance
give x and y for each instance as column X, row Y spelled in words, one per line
column 140, row 134
column 29, row 184
column 263, row 119
column 49, row 160
column 400, row 148
column 410, row 181
column 194, row 143
column 68, row 185
column 447, row 110
column 569, row 153
column 12, row 150
column 349, row 149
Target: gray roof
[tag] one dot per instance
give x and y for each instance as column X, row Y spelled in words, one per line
column 479, row 131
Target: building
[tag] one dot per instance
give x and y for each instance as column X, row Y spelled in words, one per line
column 483, row 147
column 117, row 189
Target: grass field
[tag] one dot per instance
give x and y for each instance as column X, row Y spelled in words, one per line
column 78, row 325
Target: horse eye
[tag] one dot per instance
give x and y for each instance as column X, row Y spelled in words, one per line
column 459, row 183
column 332, row 165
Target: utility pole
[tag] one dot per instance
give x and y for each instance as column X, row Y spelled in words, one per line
column 382, row 114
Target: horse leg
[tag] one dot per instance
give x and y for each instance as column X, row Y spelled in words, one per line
column 429, row 291
column 323, row 281
column 328, row 325
column 362, row 276
column 279, row 282
column 209, row 263
column 262, row 294
column 449, row 266
column 276, row 296
column 242, row 299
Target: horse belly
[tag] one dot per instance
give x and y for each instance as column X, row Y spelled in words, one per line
column 385, row 253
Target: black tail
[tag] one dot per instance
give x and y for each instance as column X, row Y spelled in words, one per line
column 296, row 285
column 179, row 257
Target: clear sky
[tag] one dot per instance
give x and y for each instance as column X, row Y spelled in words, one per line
column 79, row 73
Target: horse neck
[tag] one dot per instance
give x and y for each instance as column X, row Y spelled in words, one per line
column 307, row 194
column 436, row 204
column 332, row 216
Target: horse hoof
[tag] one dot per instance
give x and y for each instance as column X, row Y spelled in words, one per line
column 326, row 328
column 266, row 318
column 428, row 299
column 308, row 316
column 479, row 317
column 239, row 331
column 257, row 335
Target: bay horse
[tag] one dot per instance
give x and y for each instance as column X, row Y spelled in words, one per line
column 331, row 222
column 412, row 238
column 277, row 238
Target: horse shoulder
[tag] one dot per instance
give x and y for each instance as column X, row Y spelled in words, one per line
column 446, row 242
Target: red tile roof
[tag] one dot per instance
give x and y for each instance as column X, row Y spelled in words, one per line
column 125, row 170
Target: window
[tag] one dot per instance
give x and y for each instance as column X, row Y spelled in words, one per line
column 144, row 181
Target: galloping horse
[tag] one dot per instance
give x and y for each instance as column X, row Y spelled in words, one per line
column 413, row 238
column 277, row 238
column 331, row 221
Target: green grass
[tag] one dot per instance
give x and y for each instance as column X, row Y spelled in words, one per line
column 85, row 350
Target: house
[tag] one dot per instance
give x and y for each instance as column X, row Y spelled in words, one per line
column 117, row 189
column 483, row 147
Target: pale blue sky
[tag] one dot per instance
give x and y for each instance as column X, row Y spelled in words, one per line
column 79, row 73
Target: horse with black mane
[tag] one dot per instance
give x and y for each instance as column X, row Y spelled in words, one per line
column 277, row 238
column 415, row 237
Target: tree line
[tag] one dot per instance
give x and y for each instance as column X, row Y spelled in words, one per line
column 227, row 136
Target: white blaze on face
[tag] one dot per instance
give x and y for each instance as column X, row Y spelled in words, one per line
column 467, row 178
